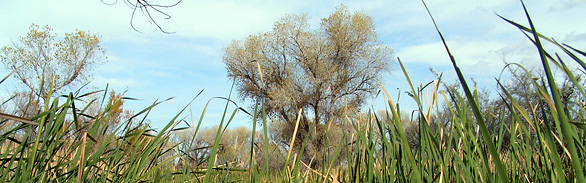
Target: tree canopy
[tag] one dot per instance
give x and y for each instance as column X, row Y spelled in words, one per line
column 328, row 73
column 42, row 62
column 319, row 71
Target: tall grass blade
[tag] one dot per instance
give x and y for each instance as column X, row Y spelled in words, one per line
column 212, row 156
column 568, row 132
column 403, row 139
column 475, row 109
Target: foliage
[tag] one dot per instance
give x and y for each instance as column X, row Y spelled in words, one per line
column 43, row 63
column 451, row 142
column 46, row 151
column 327, row 73
column 234, row 145
column 117, row 114
column 319, row 72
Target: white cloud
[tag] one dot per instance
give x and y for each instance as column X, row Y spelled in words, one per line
column 475, row 57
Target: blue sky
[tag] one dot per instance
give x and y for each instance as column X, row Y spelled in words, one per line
column 152, row 65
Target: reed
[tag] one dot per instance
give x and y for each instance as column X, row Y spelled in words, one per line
column 64, row 144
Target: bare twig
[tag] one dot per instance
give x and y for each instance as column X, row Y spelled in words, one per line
column 146, row 7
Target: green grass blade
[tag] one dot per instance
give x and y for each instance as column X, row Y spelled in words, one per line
column 568, row 132
column 212, row 157
column 479, row 119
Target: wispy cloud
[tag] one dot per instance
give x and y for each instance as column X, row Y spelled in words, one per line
column 120, row 83
column 566, row 5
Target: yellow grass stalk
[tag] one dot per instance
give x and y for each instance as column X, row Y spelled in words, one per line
column 294, row 134
column 81, row 158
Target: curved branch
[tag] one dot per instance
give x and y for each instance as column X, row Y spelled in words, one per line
column 147, row 7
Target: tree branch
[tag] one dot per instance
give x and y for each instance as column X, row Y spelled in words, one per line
column 146, row 7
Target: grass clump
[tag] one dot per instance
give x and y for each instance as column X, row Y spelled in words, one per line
column 64, row 144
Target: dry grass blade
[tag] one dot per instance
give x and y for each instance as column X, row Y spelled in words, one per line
column 259, row 71
column 293, row 137
column 7, row 76
column 16, row 118
column 330, row 178
column 81, row 165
